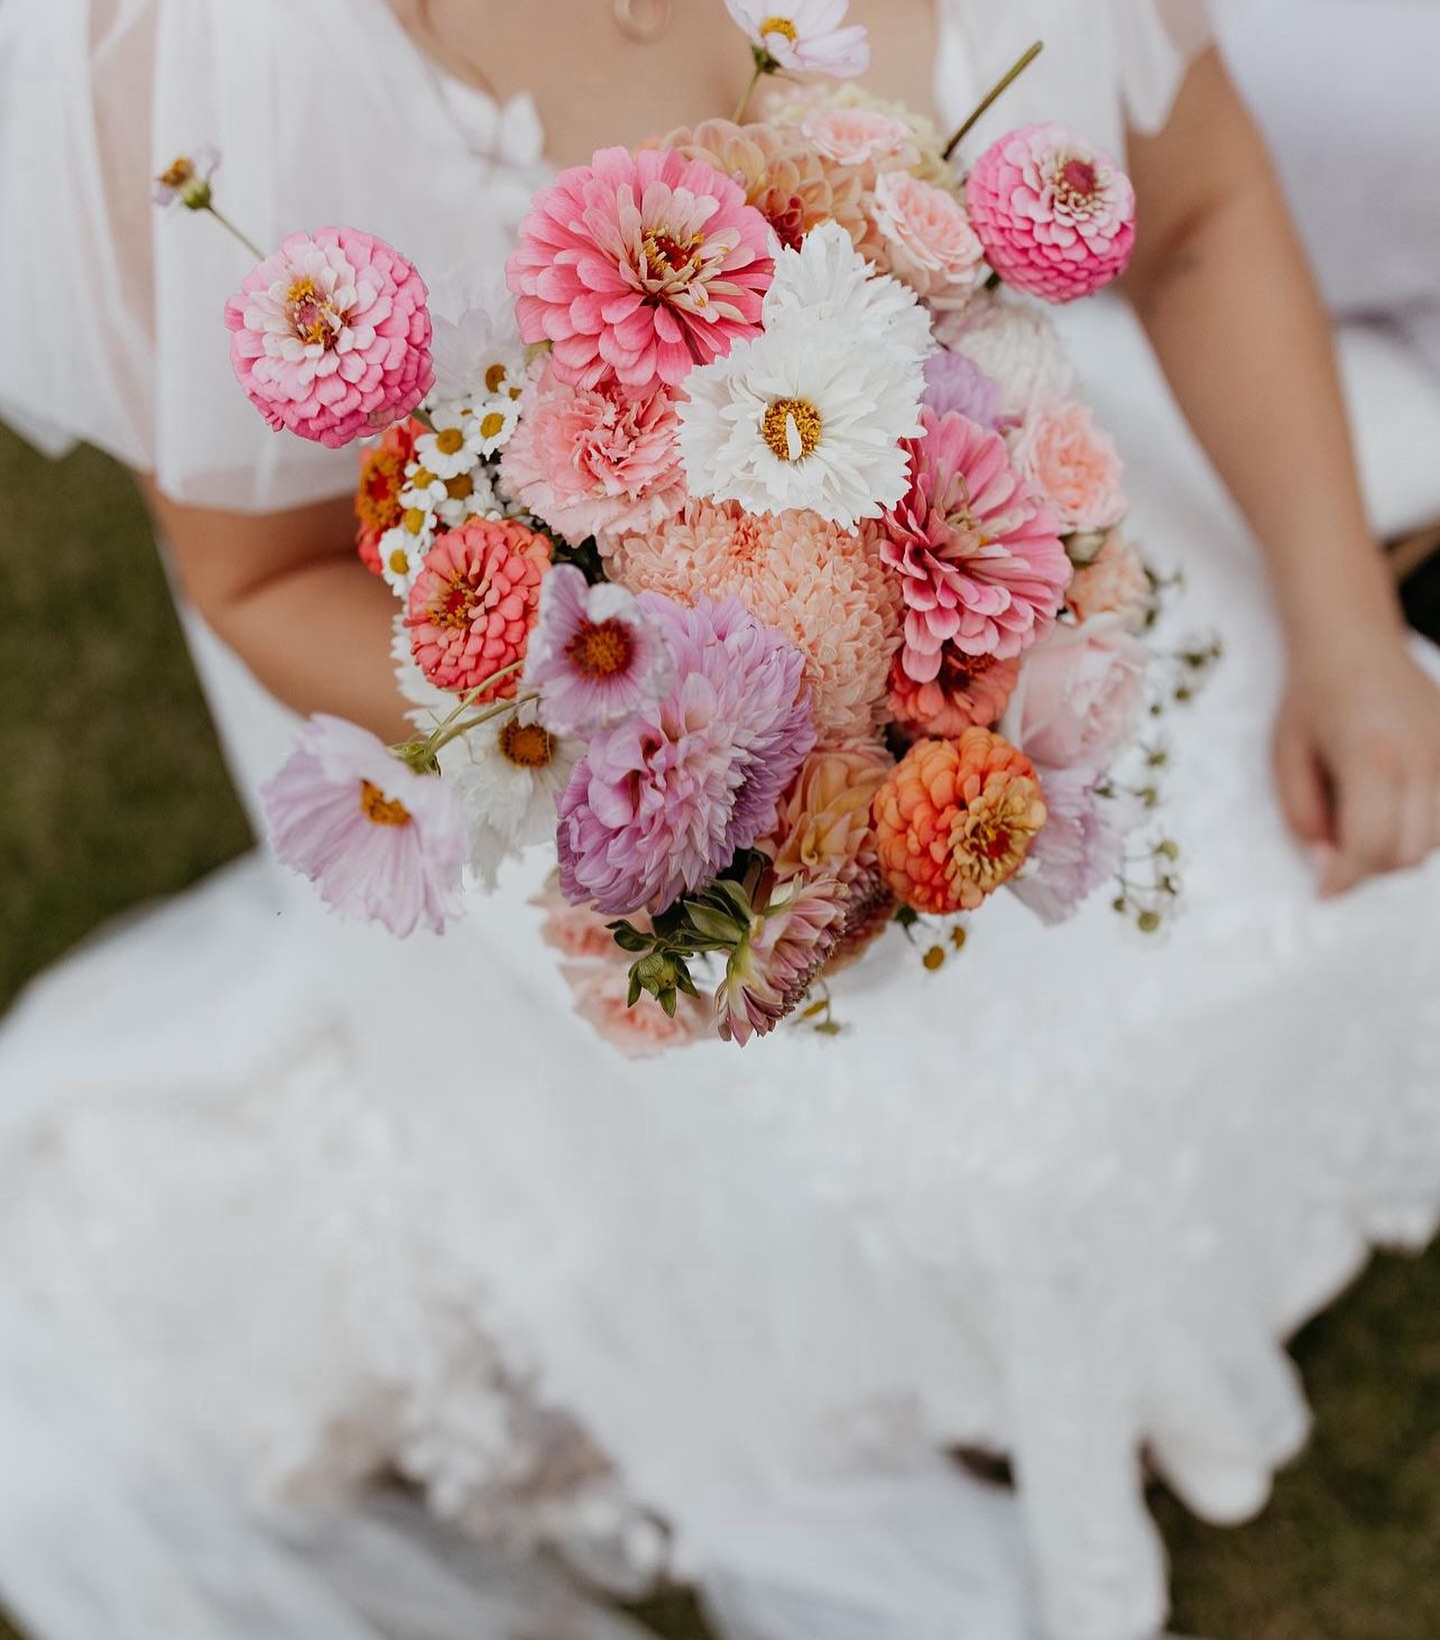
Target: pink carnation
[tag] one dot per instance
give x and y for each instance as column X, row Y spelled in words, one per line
column 662, row 802
column 1114, row 582
column 1074, row 465
column 1056, row 216
column 967, row 693
column 638, row 267
column 982, row 564
column 1081, row 846
column 589, row 461
column 602, row 998
column 378, row 840
column 820, row 586
column 929, row 243
column 1080, row 697
column 332, row 336
column 474, row 603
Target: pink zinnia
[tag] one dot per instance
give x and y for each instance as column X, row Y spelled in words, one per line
column 377, row 839
column 663, row 801
column 982, row 564
column 474, row 603
column 1056, row 216
column 638, row 267
column 1081, row 846
column 332, row 336
column 771, row 972
column 596, row 655
column 591, row 461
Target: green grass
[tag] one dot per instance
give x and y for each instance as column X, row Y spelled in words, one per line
column 114, row 793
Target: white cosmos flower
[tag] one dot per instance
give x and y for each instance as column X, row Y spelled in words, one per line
column 509, row 775
column 805, row 36
column 811, row 414
column 476, row 348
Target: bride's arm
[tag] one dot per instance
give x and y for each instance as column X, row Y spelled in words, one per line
column 1222, row 286
column 288, row 594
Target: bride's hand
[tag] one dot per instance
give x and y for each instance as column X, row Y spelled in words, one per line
column 1357, row 751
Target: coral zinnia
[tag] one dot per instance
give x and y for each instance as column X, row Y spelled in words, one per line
column 662, row 801
column 638, row 267
column 331, row 336
column 378, row 507
column 979, row 552
column 968, row 692
column 955, row 821
column 474, row 602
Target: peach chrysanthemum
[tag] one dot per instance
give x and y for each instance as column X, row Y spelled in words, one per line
column 971, row 691
column 955, row 821
column 825, row 825
column 784, row 177
column 825, row 590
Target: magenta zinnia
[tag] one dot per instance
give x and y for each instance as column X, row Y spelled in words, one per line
column 982, row 564
column 661, row 802
column 332, row 336
column 638, row 267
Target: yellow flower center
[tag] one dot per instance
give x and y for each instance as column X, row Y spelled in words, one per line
column 493, row 425
column 779, row 25
column 527, row 745
column 461, row 488
column 601, row 651
column 421, row 479
column 178, row 173
column 666, row 256
column 313, row 316
column 991, row 838
column 399, row 561
column 415, row 520
column 380, row 810
column 793, row 428
column 496, row 377
column 449, row 441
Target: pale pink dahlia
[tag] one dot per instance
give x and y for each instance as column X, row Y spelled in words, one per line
column 662, row 801
column 1056, row 215
column 824, row 588
column 968, row 692
column 591, row 460
column 805, row 36
column 378, row 840
column 596, row 655
column 1081, row 846
column 789, row 944
column 638, row 267
column 982, row 565
column 1074, row 464
column 332, row 336
column 474, row 603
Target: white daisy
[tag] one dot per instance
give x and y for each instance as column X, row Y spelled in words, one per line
column 811, row 414
column 496, row 418
column 476, row 348
column 471, row 495
column 455, row 446
column 827, row 278
column 510, row 773
column 403, row 549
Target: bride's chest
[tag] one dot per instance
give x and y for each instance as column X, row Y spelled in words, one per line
column 594, row 85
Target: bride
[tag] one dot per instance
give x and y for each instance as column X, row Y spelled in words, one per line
column 290, row 1210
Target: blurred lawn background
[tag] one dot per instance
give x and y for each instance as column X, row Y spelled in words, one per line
column 115, row 794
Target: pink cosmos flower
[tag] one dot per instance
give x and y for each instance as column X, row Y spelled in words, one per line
column 1080, row 697
column 954, row 383
column 929, row 243
column 378, row 840
column 474, row 603
column 967, row 693
column 1075, row 466
column 982, row 564
column 332, row 336
column 591, row 461
column 805, row 36
column 596, row 656
column 186, row 180
column 1056, row 215
column 790, row 942
column 1114, row 582
column 1080, row 848
column 602, row 998
column 639, row 267
column 662, row 801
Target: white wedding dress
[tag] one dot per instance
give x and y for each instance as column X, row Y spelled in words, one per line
column 287, row 1207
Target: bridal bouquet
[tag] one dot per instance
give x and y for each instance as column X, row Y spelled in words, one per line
column 755, row 547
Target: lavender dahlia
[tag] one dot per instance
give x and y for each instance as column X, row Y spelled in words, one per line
column 662, row 801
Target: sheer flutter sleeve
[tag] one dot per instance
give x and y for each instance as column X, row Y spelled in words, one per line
column 111, row 311
column 1109, row 65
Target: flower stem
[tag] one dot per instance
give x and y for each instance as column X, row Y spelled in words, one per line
column 761, row 70
column 991, row 97
column 230, row 228
column 457, row 731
